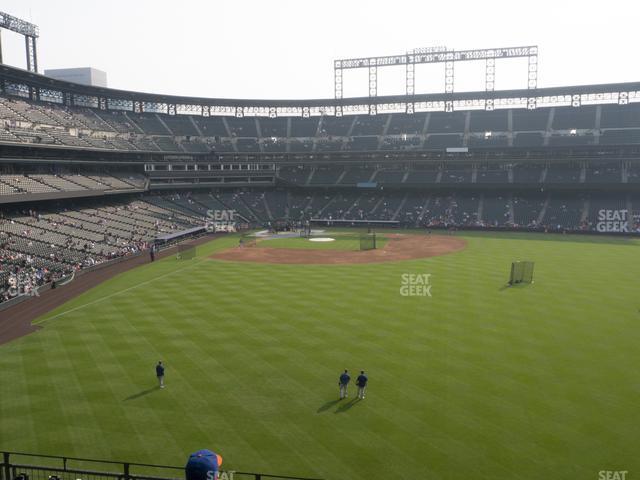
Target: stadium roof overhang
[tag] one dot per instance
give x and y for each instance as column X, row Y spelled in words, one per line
column 15, row 81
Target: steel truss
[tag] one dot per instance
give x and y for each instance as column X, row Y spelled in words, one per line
column 436, row 55
column 30, row 32
column 19, row 83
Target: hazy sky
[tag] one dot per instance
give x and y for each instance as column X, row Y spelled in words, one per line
column 285, row 49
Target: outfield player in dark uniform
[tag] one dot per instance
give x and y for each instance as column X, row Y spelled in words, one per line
column 361, row 382
column 160, row 374
column 343, row 382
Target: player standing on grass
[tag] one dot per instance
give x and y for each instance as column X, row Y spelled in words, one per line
column 160, row 374
column 343, row 383
column 361, row 382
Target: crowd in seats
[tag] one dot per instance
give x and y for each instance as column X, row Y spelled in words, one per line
column 464, row 209
column 565, row 212
column 437, row 213
column 19, row 274
column 255, row 201
column 496, row 211
column 235, row 201
column 527, row 209
column 339, row 206
column 44, row 122
column 64, row 181
column 37, row 246
column 276, row 201
column 297, row 204
column 366, row 206
column 606, row 202
column 413, row 207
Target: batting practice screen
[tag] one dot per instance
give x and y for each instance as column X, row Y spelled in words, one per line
column 521, row 272
column 368, row 241
column 186, row 252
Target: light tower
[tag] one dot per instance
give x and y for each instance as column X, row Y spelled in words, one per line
column 30, row 32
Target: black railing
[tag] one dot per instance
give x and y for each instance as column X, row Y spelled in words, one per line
column 31, row 466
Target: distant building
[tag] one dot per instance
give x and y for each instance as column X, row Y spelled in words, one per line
column 85, row 75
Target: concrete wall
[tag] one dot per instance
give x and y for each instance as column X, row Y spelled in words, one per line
column 85, row 75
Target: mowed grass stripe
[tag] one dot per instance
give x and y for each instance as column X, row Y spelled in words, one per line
column 479, row 381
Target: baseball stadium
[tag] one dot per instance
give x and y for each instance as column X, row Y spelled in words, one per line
column 185, row 274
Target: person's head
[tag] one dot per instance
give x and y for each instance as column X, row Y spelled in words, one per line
column 345, row 371
column 159, row 362
column 361, row 372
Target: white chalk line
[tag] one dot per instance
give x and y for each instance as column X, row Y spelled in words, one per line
column 117, row 293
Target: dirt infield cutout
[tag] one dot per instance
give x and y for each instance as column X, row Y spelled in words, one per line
column 398, row 247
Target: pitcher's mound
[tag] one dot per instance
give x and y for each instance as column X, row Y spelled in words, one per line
column 398, row 247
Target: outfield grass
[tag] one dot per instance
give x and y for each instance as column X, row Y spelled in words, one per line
column 478, row 381
column 341, row 242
